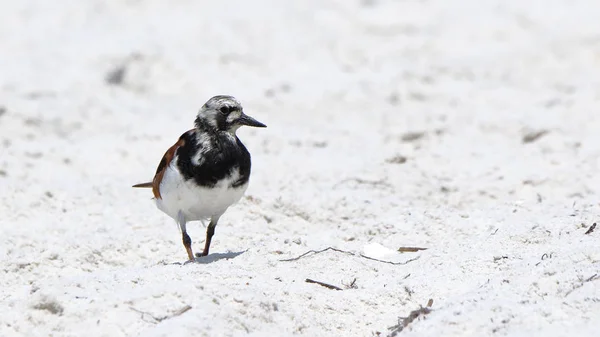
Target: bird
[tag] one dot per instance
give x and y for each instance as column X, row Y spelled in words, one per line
column 206, row 170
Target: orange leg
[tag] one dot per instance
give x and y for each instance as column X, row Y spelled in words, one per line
column 210, row 231
column 187, row 241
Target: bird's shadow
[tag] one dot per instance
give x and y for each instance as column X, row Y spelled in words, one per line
column 210, row 258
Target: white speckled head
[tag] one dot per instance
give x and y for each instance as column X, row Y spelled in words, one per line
column 224, row 113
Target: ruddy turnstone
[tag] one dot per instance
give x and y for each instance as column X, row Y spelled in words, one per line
column 206, row 171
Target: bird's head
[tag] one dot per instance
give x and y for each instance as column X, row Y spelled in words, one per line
column 224, row 113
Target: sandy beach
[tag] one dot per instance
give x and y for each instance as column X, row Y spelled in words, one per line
column 469, row 128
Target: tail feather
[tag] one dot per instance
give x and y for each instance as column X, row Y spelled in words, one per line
column 143, row 185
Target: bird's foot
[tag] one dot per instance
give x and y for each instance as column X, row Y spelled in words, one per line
column 189, row 261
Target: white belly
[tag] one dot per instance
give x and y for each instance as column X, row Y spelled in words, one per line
column 196, row 203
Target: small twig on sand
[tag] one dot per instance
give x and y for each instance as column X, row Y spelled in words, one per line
column 349, row 253
column 410, row 249
column 162, row 318
column 351, row 285
column 589, row 279
column 390, row 262
column 403, row 322
column 360, row 181
column 317, row 252
column 591, row 229
column 323, row 284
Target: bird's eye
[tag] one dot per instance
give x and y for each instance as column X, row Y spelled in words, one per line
column 225, row 109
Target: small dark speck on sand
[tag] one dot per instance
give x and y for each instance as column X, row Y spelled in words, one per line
column 116, row 76
column 532, row 136
column 412, row 136
column 399, row 159
column 49, row 305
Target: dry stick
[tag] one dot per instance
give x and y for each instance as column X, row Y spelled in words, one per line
column 404, row 321
column 591, row 229
column 323, row 284
column 380, row 182
column 591, row 278
column 410, row 249
column 145, row 313
column 351, row 285
column 317, row 252
column 349, row 253
column 162, row 318
column 390, row 262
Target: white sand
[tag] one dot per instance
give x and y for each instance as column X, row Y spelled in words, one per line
column 345, row 87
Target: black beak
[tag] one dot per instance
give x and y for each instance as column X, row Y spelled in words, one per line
column 249, row 121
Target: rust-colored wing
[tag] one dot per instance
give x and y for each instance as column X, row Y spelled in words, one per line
column 162, row 167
